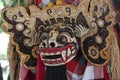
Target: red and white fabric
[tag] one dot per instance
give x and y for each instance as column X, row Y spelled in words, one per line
column 26, row 74
column 75, row 71
column 90, row 72
column 95, row 73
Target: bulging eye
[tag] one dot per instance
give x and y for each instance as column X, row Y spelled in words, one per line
column 63, row 39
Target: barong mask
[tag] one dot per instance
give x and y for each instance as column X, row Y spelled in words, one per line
column 58, row 44
column 58, row 32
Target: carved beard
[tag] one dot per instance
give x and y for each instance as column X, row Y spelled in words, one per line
column 56, row 72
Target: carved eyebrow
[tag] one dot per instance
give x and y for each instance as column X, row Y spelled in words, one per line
column 68, row 30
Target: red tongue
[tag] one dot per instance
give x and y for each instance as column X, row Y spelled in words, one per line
column 53, row 50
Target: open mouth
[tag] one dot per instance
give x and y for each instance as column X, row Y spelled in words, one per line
column 57, row 56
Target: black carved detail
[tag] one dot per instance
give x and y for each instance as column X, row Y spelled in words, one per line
column 60, row 19
column 81, row 20
column 28, row 11
column 47, row 22
column 90, row 41
column 95, row 8
column 73, row 20
column 32, row 62
column 49, row 12
column 38, row 25
column 26, row 22
column 14, row 17
column 67, row 19
column 53, row 21
column 68, row 10
column 8, row 20
column 89, row 6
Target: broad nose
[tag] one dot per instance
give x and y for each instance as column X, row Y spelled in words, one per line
column 52, row 39
column 52, row 42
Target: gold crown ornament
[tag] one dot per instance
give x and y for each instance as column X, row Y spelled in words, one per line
column 91, row 22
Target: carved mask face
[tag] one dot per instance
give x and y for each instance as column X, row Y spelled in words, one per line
column 58, row 44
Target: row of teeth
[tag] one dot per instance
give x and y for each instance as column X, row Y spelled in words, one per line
column 64, row 54
column 58, row 59
column 59, row 63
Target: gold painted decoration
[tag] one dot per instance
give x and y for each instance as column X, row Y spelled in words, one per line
column 57, row 28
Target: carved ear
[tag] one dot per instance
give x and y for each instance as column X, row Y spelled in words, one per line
column 81, row 26
column 80, row 30
column 99, row 16
column 20, row 26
